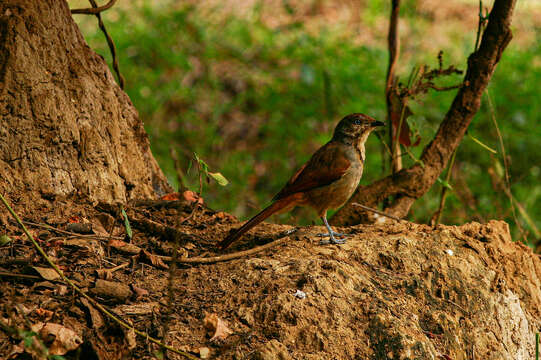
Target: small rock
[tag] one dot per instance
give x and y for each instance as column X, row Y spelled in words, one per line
column 300, row 294
column 204, row 352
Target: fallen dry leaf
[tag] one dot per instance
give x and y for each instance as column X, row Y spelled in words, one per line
column 214, row 324
column 124, row 247
column 104, row 274
column 44, row 313
column 171, row 196
column 74, row 219
column 98, row 229
column 64, row 339
column 139, row 292
column 95, row 315
column 192, row 197
column 46, row 273
column 153, row 259
column 130, row 338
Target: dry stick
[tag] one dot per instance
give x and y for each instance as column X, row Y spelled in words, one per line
column 214, row 259
column 94, row 10
column 393, row 44
column 413, row 182
column 110, row 42
column 507, row 186
column 82, row 293
column 396, row 142
column 480, row 25
column 24, row 276
column 118, row 267
column 378, row 212
column 49, row 227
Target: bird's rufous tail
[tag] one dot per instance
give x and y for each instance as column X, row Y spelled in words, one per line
column 265, row 213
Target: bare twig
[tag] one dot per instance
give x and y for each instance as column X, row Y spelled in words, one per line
column 23, row 276
column 410, row 184
column 507, row 184
column 377, row 212
column 60, row 231
column 152, row 227
column 394, row 49
column 94, row 10
column 481, row 24
column 214, row 259
column 110, row 43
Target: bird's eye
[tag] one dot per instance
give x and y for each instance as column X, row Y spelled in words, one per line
column 357, row 122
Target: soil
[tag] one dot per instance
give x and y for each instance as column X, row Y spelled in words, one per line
column 393, row 291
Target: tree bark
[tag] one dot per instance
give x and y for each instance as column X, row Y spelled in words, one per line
column 67, row 128
column 411, row 183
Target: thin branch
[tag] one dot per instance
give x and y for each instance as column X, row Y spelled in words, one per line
column 110, row 43
column 377, row 212
column 94, row 10
column 214, row 259
column 394, row 50
column 507, row 184
column 412, row 183
column 60, row 231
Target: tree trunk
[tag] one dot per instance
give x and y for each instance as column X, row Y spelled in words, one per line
column 67, row 128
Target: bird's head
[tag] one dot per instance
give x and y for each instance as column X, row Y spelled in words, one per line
column 355, row 126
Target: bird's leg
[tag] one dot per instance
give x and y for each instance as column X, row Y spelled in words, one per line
column 331, row 234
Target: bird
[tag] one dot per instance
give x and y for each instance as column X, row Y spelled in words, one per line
column 326, row 181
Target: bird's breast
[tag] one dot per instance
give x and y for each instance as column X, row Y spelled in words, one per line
column 338, row 192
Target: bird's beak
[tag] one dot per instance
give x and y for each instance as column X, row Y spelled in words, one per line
column 377, row 123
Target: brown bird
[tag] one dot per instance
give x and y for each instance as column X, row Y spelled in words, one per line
column 326, row 181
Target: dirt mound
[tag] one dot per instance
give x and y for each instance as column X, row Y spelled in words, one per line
column 393, row 291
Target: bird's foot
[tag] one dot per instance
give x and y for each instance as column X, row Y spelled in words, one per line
column 334, row 234
column 333, row 239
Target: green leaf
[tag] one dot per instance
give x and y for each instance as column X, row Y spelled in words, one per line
column 203, row 164
column 56, row 357
column 499, row 169
column 220, row 179
column 28, row 338
column 481, row 144
column 4, row 240
column 127, row 224
column 445, row 183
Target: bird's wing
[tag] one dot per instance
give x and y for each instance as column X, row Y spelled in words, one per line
column 327, row 165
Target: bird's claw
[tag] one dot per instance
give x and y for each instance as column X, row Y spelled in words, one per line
column 334, row 234
column 333, row 239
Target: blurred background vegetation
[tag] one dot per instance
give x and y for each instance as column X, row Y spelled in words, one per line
column 255, row 86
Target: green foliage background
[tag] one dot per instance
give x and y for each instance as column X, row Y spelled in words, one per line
column 254, row 100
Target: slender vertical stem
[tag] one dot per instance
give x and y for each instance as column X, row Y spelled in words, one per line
column 437, row 216
column 394, row 49
column 507, row 182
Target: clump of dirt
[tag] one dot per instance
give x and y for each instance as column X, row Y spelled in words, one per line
column 393, row 291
